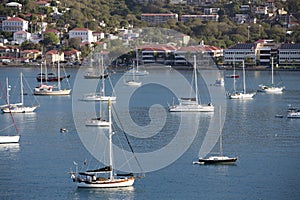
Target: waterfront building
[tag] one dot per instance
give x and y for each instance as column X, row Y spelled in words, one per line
column 289, row 54
column 239, row 52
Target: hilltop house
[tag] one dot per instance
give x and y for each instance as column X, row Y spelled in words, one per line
column 14, row 24
column 84, row 34
column 21, row 36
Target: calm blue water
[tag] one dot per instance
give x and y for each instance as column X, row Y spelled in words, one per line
column 268, row 149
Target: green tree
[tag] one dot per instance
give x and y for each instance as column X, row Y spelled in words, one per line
column 50, row 39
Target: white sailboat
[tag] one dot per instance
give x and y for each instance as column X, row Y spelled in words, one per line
column 136, row 71
column 50, row 90
column 102, row 95
column 243, row 94
column 219, row 159
column 8, row 138
column 133, row 82
column 18, row 107
column 100, row 121
column 192, row 104
column 271, row 88
column 104, row 177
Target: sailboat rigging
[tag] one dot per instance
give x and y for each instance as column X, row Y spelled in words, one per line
column 101, row 96
column 135, row 70
column 50, row 90
column 243, row 94
column 9, row 139
column 192, row 104
column 104, row 177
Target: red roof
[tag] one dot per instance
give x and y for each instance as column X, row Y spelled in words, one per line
column 20, row 32
column 31, row 51
column 157, row 47
column 51, row 52
column 71, row 52
column 79, row 29
column 15, row 19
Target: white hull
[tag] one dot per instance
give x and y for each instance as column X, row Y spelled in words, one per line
column 133, row 83
column 107, row 183
column 293, row 115
column 271, row 89
column 98, row 97
column 97, row 122
column 52, row 93
column 18, row 109
column 9, row 139
column 240, row 95
column 191, row 108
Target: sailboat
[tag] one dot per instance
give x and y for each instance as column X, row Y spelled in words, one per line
column 100, row 121
column 102, row 95
column 50, row 90
column 220, row 159
column 136, row 71
column 192, row 104
column 18, row 107
column 133, row 81
column 271, row 88
column 9, row 139
column 243, row 94
column 104, row 177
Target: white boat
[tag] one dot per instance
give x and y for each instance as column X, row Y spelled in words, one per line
column 192, row 104
column 100, row 121
column 243, row 94
column 136, row 71
column 17, row 107
column 133, row 83
column 272, row 88
column 217, row 159
column 293, row 112
column 50, row 90
column 104, row 177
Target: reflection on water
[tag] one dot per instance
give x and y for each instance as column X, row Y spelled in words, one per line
column 11, row 148
column 105, row 193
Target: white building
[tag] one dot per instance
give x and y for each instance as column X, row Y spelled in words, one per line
column 84, row 34
column 239, row 53
column 14, row 24
column 289, row 54
column 21, row 36
column 185, row 18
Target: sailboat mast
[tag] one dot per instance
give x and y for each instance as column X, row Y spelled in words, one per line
column 102, row 74
column 196, row 81
column 234, row 88
column 272, row 77
column 110, row 141
column 58, row 73
column 244, row 78
column 41, row 75
column 221, row 150
column 137, row 59
column 7, row 91
column 22, row 93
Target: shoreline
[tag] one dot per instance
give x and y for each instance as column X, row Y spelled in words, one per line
column 258, row 68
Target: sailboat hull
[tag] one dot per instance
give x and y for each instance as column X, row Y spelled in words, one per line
column 271, row 89
column 191, row 108
column 98, row 97
column 107, row 183
column 52, row 93
column 9, row 139
column 218, row 160
column 241, row 95
column 17, row 109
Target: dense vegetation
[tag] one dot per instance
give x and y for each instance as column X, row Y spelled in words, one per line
column 121, row 13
